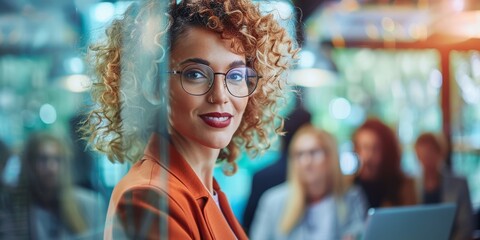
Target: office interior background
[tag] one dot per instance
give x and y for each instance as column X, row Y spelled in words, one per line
column 415, row 64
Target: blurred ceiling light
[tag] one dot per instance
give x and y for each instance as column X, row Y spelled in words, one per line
column 77, row 83
column 349, row 163
column 469, row 88
column 306, row 59
column 413, row 31
column 48, row 114
column 104, row 11
column 418, row 31
column 314, row 68
column 372, row 31
column 365, row 59
column 475, row 64
column 388, row 24
column 435, row 78
column 400, row 32
column 74, row 65
column 312, row 77
column 7, row 98
column 458, row 5
column 340, row 108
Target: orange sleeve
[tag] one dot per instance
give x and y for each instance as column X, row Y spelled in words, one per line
column 143, row 214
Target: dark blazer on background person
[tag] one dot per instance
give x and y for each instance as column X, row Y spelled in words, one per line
column 454, row 189
column 192, row 211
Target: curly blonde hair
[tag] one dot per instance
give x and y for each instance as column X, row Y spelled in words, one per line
column 123, row 89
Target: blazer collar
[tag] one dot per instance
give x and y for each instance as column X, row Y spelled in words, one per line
column 178, row 167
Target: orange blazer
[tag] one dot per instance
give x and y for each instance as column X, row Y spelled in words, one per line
column 134, row 211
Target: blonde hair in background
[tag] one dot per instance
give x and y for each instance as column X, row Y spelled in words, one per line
column 297, row 202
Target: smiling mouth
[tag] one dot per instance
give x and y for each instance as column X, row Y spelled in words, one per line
column 216, row 119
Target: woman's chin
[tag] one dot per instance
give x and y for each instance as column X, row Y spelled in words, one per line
column 217, row 143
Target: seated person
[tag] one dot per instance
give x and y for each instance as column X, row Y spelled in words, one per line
column 380, row 174
column 315, row 202
column 47, row 204
column 440, row 186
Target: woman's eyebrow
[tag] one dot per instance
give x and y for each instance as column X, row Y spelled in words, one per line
column 205, row 62
column 196, row 60
column 237, row 63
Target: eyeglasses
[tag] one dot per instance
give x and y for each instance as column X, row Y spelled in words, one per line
column 44, row 158
column 313, row 154
column 197, row 79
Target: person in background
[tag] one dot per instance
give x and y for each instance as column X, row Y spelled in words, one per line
column 276, row 173
column 439, row 185
column 315, row 202
column 380, row 174
column 46, row 203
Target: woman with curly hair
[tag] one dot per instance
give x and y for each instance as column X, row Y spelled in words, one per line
column 226, row 67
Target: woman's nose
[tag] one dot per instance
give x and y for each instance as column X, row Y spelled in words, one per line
column 219, row 92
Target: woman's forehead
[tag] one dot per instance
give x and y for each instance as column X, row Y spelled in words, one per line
column 308, row 140
column 201, row 42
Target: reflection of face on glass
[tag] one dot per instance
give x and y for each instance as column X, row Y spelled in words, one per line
column 48, row 164
column 369, row 151
column 205, row 106
column 311, row 164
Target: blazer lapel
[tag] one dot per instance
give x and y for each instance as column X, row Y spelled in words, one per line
column 221, row 225
column 228, row 214
column 216, row 221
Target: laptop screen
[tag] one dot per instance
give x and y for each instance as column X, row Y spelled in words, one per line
column 414, row 223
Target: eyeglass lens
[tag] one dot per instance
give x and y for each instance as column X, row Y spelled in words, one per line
column 314, row 154
column 197, row 79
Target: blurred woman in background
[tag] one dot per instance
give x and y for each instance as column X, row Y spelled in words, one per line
column 439, row 185
column 46, row 203
column 380, row 175
column 315, row 203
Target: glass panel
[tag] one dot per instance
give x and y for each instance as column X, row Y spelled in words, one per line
column 52, row 185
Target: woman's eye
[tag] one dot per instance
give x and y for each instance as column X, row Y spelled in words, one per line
column 193, row 74
column 236, row 76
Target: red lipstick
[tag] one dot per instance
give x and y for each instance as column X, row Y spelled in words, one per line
column 216, row 119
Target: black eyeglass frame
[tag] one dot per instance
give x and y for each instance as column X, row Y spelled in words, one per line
column 213, row 80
